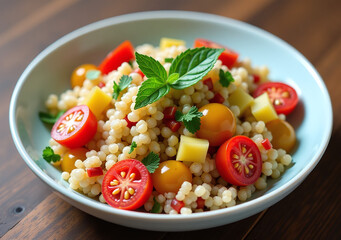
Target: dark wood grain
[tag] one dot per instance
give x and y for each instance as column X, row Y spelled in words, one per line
column 28, row 209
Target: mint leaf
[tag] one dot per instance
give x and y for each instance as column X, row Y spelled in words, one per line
column 151, row 162
column 132, row 147
column 49, row 118
column 49, row 155
column 150, row 91
column 93, row 74
column 125, row 80
column 192, row 65
column 156, row 207
column 169, row 60
column 225, row 78
column 191, row 119
column 151, row 67
column 172, row 78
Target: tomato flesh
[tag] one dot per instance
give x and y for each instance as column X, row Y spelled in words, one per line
column 94, row 172
column 239, row 161
column 173, row 125
column 177, row 205
column 283, row 97
column 169, row 113
column 228, row 57
column 75, row 128
column 123, row 53
column 209, row 83
column 127, row 185
column 217, row 98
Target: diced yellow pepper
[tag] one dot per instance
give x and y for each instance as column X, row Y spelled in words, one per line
column 192, row 149
column 97, row 101
column 241, row 99
column 168, row 42
column 262, row 108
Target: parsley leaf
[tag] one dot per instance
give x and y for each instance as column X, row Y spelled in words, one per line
column 132, row 147
column 49, row 155
column 225, row 78
column 151, row 162
column 169, row 60
column 191, row 119
column 49, row 118
column 151, row 67
column 156, row 207
column 93, row 74
column 125, row 80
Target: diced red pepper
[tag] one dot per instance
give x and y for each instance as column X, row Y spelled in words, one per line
column 200, row 203
column 101, row 84
column 177, row 205
column 209, row 83
column 217, row 98
column 173, row 125
column 169, row 113
column 94, row 172
column 137, row 70
column 256, row 78
column 266, row 144
column 130, row 124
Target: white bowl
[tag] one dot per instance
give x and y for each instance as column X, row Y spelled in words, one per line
column 49, row 73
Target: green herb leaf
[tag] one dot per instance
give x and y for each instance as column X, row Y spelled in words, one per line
column 192, row 65
column 132, row 147
column 150, row 91
column 125, row 80
column 191, row 119
column 156, row 207
column 49, row 155
column 151, row 67
column 93, row 74
column 49, row 118
column 225, row 78
column 151, row 162
column 169, row 60
column 172, row 78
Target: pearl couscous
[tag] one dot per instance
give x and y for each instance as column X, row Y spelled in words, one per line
column 123, row 131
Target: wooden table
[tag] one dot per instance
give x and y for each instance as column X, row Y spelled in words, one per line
column 28, row 208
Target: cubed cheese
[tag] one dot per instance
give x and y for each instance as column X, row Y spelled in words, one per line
column 97, row 101
column 262, row 108
column 168, row 42
column 192, row 149
column 241, row 99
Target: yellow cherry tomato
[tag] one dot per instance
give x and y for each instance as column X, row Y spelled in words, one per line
column 79, row 74
column 70, row 157
column 218, row 123
column 170, row 175
column 283, row 134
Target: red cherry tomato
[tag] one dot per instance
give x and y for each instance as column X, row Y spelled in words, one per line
column 75, row 128
column 127, row 185
column 283, row 97
column 123, row 53
column 94, row 172
column 239, row 161
column 177, row 205
column 228, row 57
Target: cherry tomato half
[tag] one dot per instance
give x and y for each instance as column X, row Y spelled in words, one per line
column 123, row 53
column 239, row 161
column 283, row 134
column 228, row 57
column 283, row 97
column 217, row 123
column 127, row 185
column 75, row 128
column 170, row 175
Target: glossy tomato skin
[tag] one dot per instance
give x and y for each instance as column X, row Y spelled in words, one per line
column 170, row 175
column 283, row 97
column 283, row 134
column 228, row 57
column 217, row 123
column 79, row 75
column 239, row 161
column 71, row 156
column 123, row 53
column 133, row 182
column 75, row 128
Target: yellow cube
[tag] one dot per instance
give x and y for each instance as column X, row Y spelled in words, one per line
column 241, row 99
column 262, row 108
column 192, row 149
column 97, row 101
column 168, row 42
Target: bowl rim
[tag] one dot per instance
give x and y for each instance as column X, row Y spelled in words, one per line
column 258, row 202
